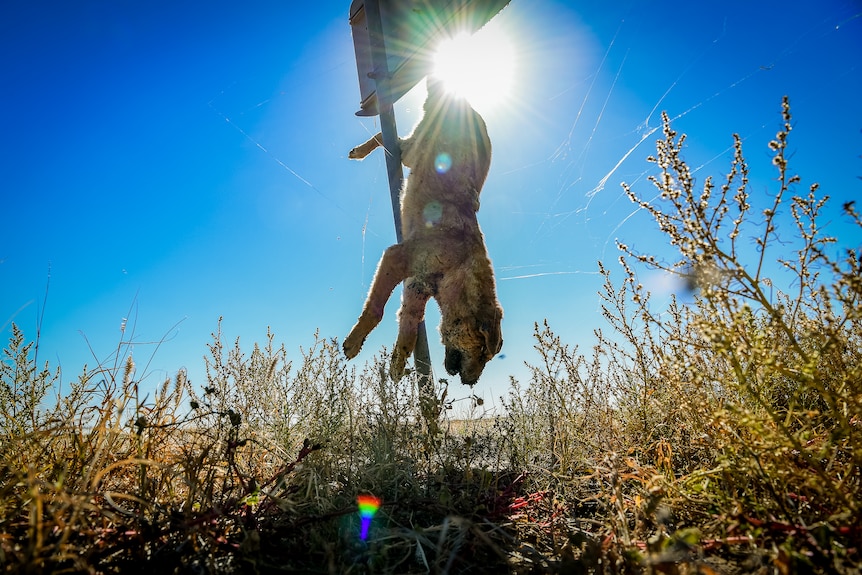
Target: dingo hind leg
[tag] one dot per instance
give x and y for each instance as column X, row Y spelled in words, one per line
column 362, row 150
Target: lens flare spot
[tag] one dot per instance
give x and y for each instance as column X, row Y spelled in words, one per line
column 432, row 213
column 368, row 506
column 442, row 163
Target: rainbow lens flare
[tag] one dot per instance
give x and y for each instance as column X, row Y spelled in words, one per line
column 368, row 506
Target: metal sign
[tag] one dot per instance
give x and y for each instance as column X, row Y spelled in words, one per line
column 411, row 31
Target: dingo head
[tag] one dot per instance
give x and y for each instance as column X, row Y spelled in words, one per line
column 470, row 347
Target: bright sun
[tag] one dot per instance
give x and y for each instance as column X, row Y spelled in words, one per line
column 480, row 67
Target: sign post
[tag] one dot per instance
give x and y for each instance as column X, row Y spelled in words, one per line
column 394, row 41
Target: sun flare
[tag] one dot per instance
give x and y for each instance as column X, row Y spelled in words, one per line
column 480, row 67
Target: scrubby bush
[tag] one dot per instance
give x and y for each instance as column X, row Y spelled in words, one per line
column 738, row 414
column 716, row 436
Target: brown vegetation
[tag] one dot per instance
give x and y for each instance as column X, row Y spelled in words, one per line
column 722, row 436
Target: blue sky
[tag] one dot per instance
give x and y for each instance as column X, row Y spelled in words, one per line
column 168, row 164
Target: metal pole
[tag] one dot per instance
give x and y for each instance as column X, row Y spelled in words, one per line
column 381, row 74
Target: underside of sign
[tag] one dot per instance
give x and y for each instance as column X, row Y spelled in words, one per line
column 412, row 30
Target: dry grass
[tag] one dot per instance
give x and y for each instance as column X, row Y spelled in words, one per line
column 722, row 436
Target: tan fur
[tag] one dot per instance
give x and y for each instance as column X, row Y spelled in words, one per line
column 443, row 252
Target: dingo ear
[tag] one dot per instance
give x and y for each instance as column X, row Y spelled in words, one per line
column 493, row 338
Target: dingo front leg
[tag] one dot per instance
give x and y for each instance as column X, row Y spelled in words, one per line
column 393, row 269
column 411, row 313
